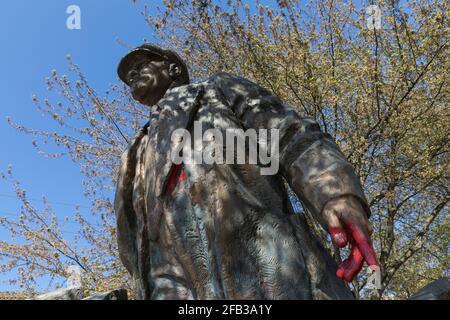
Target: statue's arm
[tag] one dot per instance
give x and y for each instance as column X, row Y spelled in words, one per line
column 310, row 160
column 312, row 164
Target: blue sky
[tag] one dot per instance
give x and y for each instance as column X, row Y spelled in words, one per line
column 35, row 40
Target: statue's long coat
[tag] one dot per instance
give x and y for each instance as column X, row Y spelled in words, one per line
column 228, row 232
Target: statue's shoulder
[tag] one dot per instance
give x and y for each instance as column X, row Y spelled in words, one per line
column 225, row 77
column 182, row 92
column 228, row 82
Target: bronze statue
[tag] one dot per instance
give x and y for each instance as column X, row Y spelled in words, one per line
column 226, row 231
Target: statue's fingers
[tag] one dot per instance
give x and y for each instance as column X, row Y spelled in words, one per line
column 355, row 263
column 351, row 266
column 341, row 270
column 360, row 234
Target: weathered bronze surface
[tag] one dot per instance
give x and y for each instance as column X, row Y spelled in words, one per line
column 225, row 231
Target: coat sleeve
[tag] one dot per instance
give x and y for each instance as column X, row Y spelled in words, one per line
column 125, row 215
column 310, row 160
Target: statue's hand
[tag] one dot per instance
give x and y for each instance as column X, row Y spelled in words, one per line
column 347, row 223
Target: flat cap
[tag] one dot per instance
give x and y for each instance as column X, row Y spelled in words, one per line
column 148, row 51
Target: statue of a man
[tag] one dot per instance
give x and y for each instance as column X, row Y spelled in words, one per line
column 225, row 231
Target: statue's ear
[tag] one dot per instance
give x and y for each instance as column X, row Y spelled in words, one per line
column 174, row 70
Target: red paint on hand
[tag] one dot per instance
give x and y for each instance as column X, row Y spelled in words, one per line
column 361, row 250
column 339, row 237
column 351, row 266
column 362, row 240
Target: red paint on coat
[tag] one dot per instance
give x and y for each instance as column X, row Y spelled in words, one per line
column 177, row 174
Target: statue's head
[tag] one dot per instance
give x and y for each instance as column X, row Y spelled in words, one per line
column 150, row 71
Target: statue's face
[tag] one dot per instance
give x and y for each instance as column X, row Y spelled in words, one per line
column 149, row 80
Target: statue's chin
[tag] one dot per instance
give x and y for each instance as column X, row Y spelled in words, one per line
column 141, row 99
column 146, row 92
column 140, row 92
column 144, row 99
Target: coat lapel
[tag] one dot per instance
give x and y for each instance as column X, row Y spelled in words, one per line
column 177, row 110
